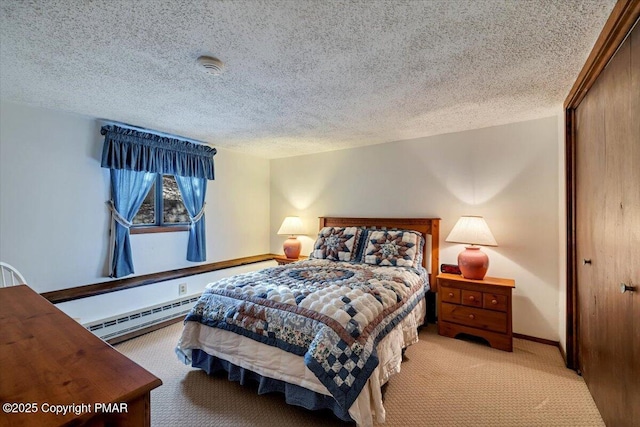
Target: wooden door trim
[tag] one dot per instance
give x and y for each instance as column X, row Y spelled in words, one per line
column 623, row 16
column 622, row 19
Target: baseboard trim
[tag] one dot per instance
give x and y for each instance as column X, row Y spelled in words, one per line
column 539, row 340
column 79, row 292
column 564, row 355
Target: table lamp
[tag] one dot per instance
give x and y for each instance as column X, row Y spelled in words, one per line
column 292, row 226
column 472, row 230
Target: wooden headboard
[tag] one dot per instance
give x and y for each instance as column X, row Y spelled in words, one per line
column 425, row 226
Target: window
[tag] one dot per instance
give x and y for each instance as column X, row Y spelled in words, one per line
column 162, row 207
column 135, row 156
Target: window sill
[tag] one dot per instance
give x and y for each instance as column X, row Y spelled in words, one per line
column 154, row 229
column 70, row 294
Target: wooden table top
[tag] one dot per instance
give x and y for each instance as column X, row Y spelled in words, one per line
column 47, row 358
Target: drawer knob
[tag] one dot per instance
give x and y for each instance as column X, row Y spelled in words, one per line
column 451, row 294
column 472, row 298
column 624, row 288
column 471, row 316
column 494, row 301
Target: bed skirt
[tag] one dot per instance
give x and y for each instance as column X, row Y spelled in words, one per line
column 294, row 394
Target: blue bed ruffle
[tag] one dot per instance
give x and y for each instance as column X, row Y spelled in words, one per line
column 294, row 394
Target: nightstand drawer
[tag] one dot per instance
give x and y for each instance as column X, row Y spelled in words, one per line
column 472, row 298
column 448, row 283
column 494, row 302
column 474, row 317
column 450, row 295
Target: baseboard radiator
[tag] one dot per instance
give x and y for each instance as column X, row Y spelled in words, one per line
column 113, row 327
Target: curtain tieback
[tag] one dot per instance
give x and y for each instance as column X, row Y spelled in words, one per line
column 116, row 215
column 197, row 218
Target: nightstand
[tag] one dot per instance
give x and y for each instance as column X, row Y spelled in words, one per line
column 281, row 260
column 476, row 307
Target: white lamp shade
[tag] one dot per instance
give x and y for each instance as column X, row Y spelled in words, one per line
column 471, row 230
column 291, row 226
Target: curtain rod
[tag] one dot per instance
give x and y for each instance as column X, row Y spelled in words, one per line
column 151, row 131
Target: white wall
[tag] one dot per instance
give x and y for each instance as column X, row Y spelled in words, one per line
column 562, row 233
column 508, row 174
column 53, row 218
column 53, row 221
column 100, row 307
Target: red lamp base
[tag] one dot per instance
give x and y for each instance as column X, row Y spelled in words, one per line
column 292, row 247
column 473, row 263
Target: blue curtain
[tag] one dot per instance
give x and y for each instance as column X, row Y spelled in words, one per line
column 128, row 147
column 128, row 190
column 135, row 155
column 193, row 191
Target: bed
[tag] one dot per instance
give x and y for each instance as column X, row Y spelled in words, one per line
column 330, row 331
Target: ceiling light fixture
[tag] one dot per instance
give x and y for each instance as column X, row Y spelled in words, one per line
column 210, row 65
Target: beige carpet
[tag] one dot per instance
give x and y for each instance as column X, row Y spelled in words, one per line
column 444, row 382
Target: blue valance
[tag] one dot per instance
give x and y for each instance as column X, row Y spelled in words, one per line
column 141, row 150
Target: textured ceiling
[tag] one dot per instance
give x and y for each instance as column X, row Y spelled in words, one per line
column 300, row 76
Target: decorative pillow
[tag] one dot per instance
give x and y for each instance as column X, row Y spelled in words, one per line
column 336, row 243
column 401, row 248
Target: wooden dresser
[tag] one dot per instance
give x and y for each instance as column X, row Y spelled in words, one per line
column 53, row 372
column 476, row 307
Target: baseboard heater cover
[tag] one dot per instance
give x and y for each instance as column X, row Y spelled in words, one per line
column 113, row 327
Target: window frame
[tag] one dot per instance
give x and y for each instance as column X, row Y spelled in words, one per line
column 160, row 226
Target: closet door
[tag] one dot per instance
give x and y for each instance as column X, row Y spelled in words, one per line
column 632, row 224
column 608, row 236
column 590, row 232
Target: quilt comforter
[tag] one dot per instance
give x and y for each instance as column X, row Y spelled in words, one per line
column 331, row 313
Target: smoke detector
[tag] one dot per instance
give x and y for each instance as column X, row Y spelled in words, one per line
column 210, row 65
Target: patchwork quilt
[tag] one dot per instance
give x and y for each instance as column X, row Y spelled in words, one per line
column 330, row 312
